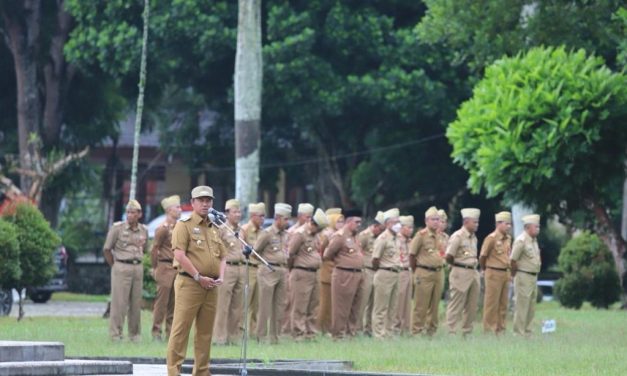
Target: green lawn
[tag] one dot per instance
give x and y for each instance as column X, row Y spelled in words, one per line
column 64, row 296
column 587, row 342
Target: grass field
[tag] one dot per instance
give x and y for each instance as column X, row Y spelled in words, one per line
column 587, row 342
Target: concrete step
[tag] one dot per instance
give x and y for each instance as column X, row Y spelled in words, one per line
column 66, row 367
column 26, row 351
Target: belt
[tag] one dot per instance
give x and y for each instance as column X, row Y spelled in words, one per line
column 166, row 260
column 390, row 269
column 132, row 262
column 186, row 274
column 465, row 266
column 277, row 265
column 405, row 269
column 253, row 265
column 369, row 268
column 349, row 269
column 530, row 273
column 430, row 268
column 499, row 269
column 313, row 270
column 235, row 263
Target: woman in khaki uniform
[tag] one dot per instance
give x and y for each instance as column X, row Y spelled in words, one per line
column 405, row 284
column 336, row 221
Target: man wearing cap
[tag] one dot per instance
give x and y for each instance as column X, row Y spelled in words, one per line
column 428, row 268
column 250, row 232
column 366, row 240
column 386, row 260
column 124, row 250
column 272, row 245
column 526, row 263
column 304, row 214
column 405, row 284
column 345, row 252
column 336, row 221
column 231, row 293
column 304, row 261
column 464, row 283
column 200, row 257
column 494, row 261
column 163, row 271
column 442, row 232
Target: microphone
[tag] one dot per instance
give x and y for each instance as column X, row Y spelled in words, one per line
column 218, row 215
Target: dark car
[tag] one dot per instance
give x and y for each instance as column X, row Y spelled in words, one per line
column 6, row 301
column 42, row 294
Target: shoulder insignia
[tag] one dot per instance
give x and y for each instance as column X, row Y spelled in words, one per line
column 186, row 219
column 118, row 223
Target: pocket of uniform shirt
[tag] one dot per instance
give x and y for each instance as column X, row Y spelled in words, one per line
column 197, row 240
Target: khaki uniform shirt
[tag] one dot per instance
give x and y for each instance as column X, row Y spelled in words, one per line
column 304, row 248
column 272, row 245
column 526, row 253
column 403, row 247
column 295, row 227
column 127, row 243
column 366, row 240
column 463, row 247
column 162, row 244
column 386, row 250
column 232, row 244
column 200, row 240
column 344, row 250
column 444, row 238
column 426, row 246
column 496, row 248
column 249, row 234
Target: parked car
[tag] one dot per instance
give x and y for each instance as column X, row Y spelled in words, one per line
column 6, row 301
column 42, row 294
column 545, row 290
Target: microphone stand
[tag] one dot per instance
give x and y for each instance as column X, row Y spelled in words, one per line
column 220, row 221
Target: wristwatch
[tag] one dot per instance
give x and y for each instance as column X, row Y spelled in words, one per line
column 197, row 277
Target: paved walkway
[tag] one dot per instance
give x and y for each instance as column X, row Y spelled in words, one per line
column 54, row 308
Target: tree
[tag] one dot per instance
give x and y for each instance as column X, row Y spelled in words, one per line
column 10, row 271
column 545, row 128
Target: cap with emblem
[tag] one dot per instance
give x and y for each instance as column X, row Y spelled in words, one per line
column 283, row 209
column 379, row 218
column 471, row 213
column 170, row 201
column 333, row 211
column 352, row 213
column 503, row 216
column 531, row 219
column 432, row 212
column 406, row 220
column 258, row 208
column 320, row 218
column 231, row 204
column 202, row 191
column 391, row 214
column 305, row 208
column 442, row 214
column 133, row 205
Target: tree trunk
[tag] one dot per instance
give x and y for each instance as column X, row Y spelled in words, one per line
column 22, row 24
column 610, row 236
column 248, row 86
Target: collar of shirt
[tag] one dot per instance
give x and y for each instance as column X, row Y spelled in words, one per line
column 466, row 233
column 500, row 236
column 127, row 226
column 198, row 220
column 528, row 238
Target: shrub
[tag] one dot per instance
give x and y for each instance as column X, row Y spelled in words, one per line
column 10, row 271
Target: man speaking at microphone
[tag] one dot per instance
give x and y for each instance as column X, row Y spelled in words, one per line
column 200, row 257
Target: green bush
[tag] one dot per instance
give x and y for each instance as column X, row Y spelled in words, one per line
column 589, row 273
column 10, row 271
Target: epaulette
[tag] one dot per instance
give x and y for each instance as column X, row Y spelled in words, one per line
column 118, row 223
column 423, row 231
column 186, row 219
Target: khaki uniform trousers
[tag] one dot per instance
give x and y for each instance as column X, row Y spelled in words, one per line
column 230, row 305
column 345, row 302
column 163, row 309
column 253, row 300
column 271, row 285
column 193, row 304
column 127, row 281
column 367, row 301
column 464, row 288
column 324, row 309
column 305, row 294
column 428, row 291
column 385, row 302
column 286, row 322
column 525, row 294
column 495, row 300
column 403, row 308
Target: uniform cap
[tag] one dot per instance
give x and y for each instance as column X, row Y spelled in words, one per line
column 352, row 213
column 320, row 218
column 379, row 218
column 471, row 213
column 432, row 212
column 333, row 211
column 390, row 214
column 406, row 220
column 333, row 219
column 442, row 214
column 503, row 216
column 231, row 204
column 283, row 209
column 170, row 201
column 133, row 205
column 305, row 208
column 202, row 191
column 531, row 219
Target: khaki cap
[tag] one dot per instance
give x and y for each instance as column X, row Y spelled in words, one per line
column 432, row 212
column 283, row 209
column 471, row 213
column 305, row 208
column 406, row 220
column 333, row 211
column 202, row 191
column 258, row 208
column 170, row 201
column 320, row 218
column 231, row 204
column 503, row 216
column 390, row 214
column 442, row 214
column 379, row 218
column 531, row 219
column 133, row 205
